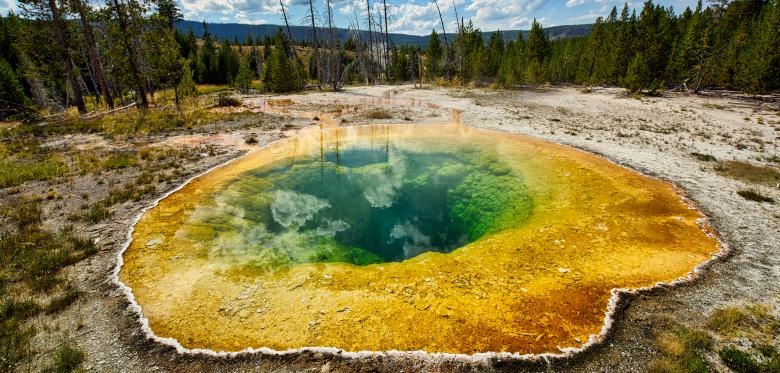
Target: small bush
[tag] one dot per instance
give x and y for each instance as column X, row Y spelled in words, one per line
column 96, row 213
column 378, row 114
column 752, row 195
column 704, row 157
column 121, row 160
column 68, row 360
column 739, row 361
column 224, row 100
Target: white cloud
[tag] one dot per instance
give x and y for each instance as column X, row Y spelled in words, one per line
column 573, row 3
column 495, row 14
column 230, row 10
column 413, row 18
column 590, row 16
column 6, row 5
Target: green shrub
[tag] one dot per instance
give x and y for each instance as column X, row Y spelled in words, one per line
column 68, row 359
column 739, row 361
column 121, row 160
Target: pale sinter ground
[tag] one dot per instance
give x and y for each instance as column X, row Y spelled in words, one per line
column 653, row 135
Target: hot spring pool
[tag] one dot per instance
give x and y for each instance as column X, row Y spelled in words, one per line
column 441, row 238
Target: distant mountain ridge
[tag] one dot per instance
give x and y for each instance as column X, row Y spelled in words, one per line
column 239, row 31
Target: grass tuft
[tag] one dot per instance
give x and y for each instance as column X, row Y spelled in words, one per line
column 14, row 173
column 762, row 175
column 739, row 361
column 224, row 100
column 704, row 157
column 62, row 302
column 752, row 195
column 682, row 350
column 120, row 160
column 68, row 359
column 378, row 114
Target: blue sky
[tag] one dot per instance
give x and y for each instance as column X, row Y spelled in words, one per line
column 409, row 16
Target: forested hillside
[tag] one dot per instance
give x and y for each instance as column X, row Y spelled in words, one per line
column 239, row 31
column 58, row 54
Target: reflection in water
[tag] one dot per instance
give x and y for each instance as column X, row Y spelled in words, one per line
column 440, row 237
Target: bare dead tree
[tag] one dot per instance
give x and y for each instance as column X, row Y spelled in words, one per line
column 370, row 41
column 94, row 58
column 316, row 43
column 387, row 42
column 291, row 52
column 258, row 59
column 446, row 39
column 334, row 55
column 459, row 36
column 361, row 50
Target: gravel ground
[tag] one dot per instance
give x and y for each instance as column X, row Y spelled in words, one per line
column 655, row 136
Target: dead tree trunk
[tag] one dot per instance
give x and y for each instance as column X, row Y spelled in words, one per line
column 70, row 70
column 316, row 44
column 334, row 55
column 446, row 40
column 387, row 42
column 370, row 43
column 291, row 52
column 94, row 59
column 132, row 59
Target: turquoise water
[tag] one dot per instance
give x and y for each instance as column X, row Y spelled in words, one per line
column 363, row 205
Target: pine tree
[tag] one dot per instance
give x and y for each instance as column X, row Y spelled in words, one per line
column 12, row 98
column 494, row 53
column 757, row 65
column 227, row 63
column 434, row 55
column 187, row 85
column 637, row 75
column 537, row 50
column 243, row 80
column 279, row 75
column 207, row 61
column 169, row 11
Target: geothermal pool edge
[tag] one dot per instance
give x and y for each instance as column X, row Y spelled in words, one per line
column 617, row 298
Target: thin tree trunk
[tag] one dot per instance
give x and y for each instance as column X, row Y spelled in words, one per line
column 132, row 60
column 289, row 33
column 67, row 64
column 89, row 40
column 370, row 42
column 334, row 65
column 316, row 44
column 387, row 41
column 444, row 34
